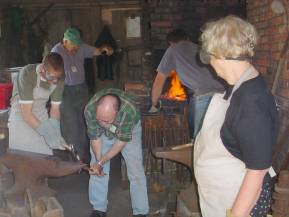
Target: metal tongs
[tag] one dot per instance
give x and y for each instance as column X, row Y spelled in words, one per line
column 73, row 151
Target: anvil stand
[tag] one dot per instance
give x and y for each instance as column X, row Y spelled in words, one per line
column 187, row 200
column 31, row 171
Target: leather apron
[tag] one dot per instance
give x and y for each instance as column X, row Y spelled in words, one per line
column 21, row 135
column 218, row 173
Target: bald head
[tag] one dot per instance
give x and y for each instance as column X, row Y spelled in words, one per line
column 106, row 108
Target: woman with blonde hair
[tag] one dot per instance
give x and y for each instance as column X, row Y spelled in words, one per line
column 233, row 150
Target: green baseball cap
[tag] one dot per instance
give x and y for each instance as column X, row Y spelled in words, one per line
column 73, row 35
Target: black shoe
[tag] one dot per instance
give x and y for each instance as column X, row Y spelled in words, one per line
column 139, row 215
column 96, row 213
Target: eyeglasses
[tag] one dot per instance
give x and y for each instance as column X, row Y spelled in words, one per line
column 48, row 76
column 205, row 57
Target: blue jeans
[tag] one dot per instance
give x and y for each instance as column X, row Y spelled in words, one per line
column 132, row 154
column 197, row 109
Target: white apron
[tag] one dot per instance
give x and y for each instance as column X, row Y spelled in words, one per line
column 21, row 135
column 218, row 173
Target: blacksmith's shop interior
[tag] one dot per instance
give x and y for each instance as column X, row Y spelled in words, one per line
column 144, row 108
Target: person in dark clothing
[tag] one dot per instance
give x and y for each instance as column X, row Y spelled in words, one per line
column 106, row 60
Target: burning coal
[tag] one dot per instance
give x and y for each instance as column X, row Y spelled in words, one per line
column 176, row 90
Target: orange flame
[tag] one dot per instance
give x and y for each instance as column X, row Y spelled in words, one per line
column 176, row 91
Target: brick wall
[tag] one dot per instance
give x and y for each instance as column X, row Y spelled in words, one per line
column 272, row 35
column 186, row 14
column 161, row 16
column 273, row 29
column 273, row 32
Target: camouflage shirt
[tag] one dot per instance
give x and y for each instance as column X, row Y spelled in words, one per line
column 127, row 117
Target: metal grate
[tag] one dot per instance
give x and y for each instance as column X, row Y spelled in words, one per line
column 164, row 131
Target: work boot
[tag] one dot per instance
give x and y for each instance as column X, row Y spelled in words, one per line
column 96, row 213
column 139, row 215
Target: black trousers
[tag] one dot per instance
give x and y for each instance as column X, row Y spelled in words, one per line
column 104, row 67
column 72, row 120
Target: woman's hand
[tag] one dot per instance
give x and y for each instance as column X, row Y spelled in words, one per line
column 230, row 214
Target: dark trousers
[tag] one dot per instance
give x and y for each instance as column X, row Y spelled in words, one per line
column 104, row 67
column 72, row 121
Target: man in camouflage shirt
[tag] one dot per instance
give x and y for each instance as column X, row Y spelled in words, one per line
column 114, row 126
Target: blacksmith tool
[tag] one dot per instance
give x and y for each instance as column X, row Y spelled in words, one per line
column 72, row 150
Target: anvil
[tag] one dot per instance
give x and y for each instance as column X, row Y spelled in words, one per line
column 31, row 169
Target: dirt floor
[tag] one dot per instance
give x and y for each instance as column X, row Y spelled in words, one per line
column 73, row 195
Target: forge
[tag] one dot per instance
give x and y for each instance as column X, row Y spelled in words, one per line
column 165, row 129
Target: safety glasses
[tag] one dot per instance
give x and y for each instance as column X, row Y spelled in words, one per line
column 48, row 76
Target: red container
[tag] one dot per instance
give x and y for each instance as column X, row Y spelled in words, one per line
column 5, row 94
